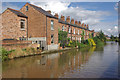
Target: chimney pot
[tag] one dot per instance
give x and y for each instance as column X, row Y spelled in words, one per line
column 82, row 24
column 76, row 22
column 56, row 15
column 68, row 19
column 49, row 11
column 85, row 26
column 79, row 23
column 62, row 18
column 72, row 21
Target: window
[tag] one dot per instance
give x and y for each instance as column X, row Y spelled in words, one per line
column 26, row 8
column 52, row 23
column 22, row 24
column 62, row 28
column 69, row 30
column 78, row 32
column 74, row 31
column 52, row 38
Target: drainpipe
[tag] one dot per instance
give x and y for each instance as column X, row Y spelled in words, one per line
column 46, row 33
column 27, row 28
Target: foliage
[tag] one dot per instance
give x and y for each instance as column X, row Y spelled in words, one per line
column 91, row 42
column 98, row 41
column 83, row 34
column 101, row 36
column 62, row 37
column 5, row 53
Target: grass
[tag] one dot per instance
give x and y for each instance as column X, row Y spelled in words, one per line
column 18, row 52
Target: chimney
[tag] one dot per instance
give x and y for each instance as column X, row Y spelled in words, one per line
column 87, row 26
column 56, row 15
column 76, row 22
column 49, row 11
column 62, row 18
column 79, row 23
column 82, row 24
column 72, row 21
column 68, row 19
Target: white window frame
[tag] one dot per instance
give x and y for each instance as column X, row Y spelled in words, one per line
column 62, row 28
column 52, row 39
column 52, row 25
column 74, row 30
column 69, row 29
column 78, row 32
column 22, row 21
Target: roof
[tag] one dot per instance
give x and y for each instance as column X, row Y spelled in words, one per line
column 42, row 11
column 64, row 22
column 18, row 13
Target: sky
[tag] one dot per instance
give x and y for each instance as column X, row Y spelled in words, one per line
column 98, row 15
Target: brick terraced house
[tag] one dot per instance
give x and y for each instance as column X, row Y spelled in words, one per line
column 39, row 26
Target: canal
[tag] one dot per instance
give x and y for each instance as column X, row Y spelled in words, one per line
column 94, row 62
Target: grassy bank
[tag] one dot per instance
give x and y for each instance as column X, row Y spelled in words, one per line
column 18, row 52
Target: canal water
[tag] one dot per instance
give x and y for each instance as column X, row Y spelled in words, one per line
column 94, row 62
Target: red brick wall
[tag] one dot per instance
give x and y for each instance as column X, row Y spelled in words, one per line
column 13, row 44
column 36, row 22
column 11, row 26
column 52, row 32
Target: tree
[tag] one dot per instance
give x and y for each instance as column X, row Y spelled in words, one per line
column 112, row 37
column 101, row 36
column 62, row 37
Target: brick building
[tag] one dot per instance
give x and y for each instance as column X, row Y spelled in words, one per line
column 40, row 26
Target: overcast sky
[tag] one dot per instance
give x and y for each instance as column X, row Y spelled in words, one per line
column 99, row 15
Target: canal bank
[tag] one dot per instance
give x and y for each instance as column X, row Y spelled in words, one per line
column 94, row 62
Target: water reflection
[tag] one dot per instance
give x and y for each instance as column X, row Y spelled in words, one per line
column 71, row 63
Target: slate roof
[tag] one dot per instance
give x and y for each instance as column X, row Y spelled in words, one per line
column 64, row 22
column 18, row 13
column 43, row 11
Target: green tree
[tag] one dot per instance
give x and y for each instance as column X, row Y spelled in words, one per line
column 101, row 36
column 112, row 37
column 62, row 37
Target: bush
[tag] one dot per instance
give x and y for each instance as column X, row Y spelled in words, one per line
column 5, row 54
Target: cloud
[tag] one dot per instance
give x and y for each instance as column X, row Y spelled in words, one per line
column 78, row 13
column 86, row 16
column 112, row 31
column 54, row 6
column 116, row 6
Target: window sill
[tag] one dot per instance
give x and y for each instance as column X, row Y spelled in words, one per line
column 52, row 29
column 22, row 29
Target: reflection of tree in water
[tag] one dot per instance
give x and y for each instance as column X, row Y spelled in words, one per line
column 66, row 56
column 99, row 48
column 75, row 58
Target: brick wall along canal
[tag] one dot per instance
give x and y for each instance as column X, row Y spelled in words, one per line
column 99, row 62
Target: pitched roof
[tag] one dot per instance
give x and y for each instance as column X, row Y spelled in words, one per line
column 42, row 11
column 64, row 22
column 18, row 13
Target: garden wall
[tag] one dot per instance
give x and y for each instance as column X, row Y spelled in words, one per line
column 13, row 44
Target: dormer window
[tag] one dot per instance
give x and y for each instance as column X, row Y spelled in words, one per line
column 26, row 8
